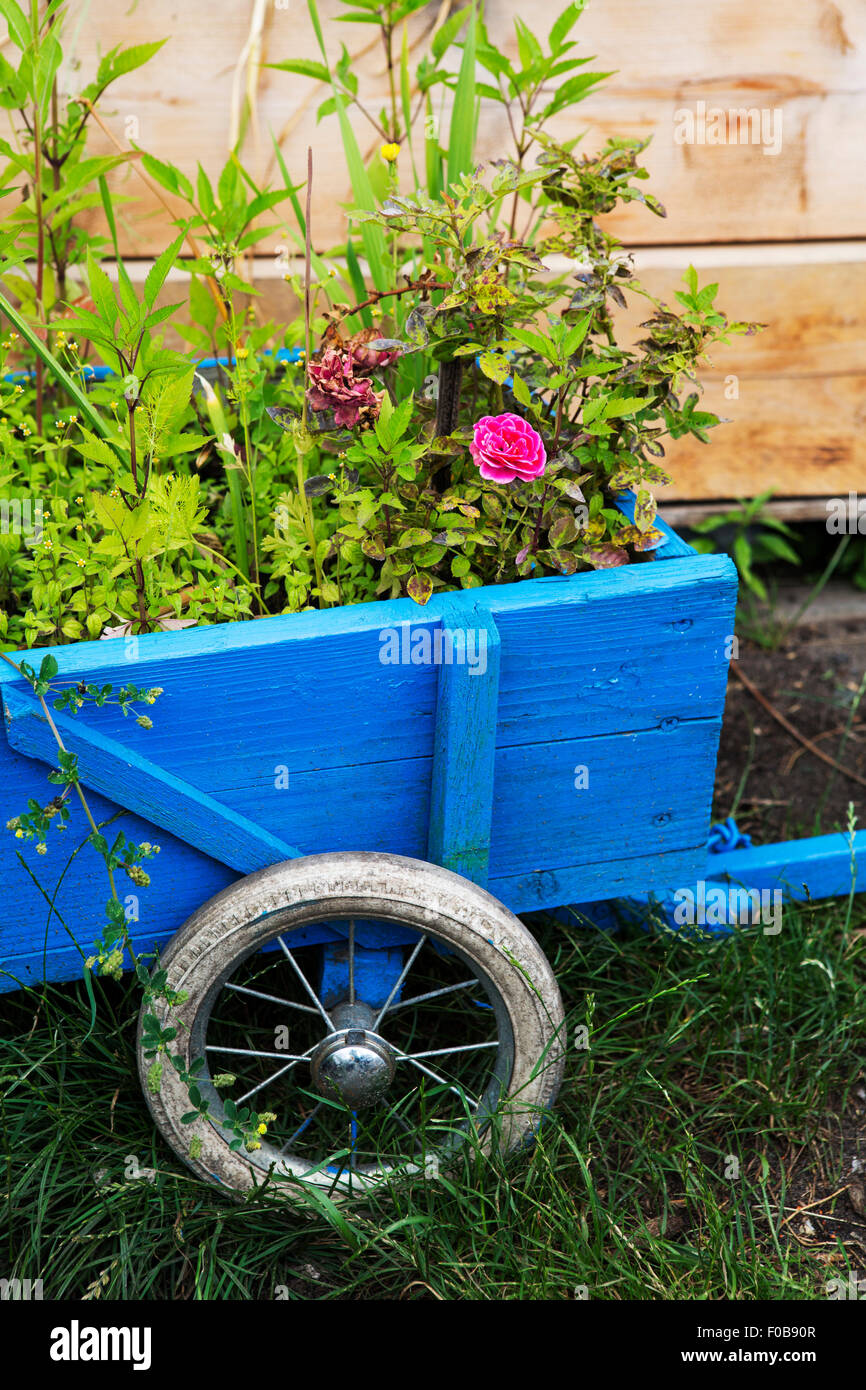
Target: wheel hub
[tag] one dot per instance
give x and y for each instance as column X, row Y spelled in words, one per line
column 353, row 1064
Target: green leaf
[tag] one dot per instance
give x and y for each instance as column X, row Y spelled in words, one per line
column 628, row 405
column 304, row 67
column 447, row 33
column 19, row 29
column 464, row 113
column 159, row 270
column 565, row 23
column 535, row 342
column 101, row 292
column 128, row 59
column 494, row 365
column 420, row 587
column 573, row 339
column 416, row 535
column 59, row 373
column 168, row 176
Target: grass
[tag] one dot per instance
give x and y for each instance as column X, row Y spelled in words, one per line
column 720, row 1081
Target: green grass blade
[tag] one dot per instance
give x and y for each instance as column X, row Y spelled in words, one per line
column 88, row 413
column 464, row 114
column 373, row 238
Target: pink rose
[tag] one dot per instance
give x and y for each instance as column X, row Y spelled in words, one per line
column 506, row 447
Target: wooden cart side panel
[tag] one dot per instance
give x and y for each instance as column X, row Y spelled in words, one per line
column 296, row 730
column 604, row 653
column 552, row 830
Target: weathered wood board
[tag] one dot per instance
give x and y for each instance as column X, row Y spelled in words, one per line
column 611, row 687
column 803, row 59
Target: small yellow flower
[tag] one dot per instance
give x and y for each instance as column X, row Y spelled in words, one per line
column 112, row 405
column 41, row 848
column 242, row 354
column 19, row 390
column 261, row 1129
column 81, row 564
column 389, row 153
column 73, row 419
column 19, row 834
column 13, row 337
column 79, row 500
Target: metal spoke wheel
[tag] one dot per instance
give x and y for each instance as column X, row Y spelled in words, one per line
column 379, row 1065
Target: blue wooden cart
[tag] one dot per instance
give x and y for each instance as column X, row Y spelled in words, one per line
column 544, row 743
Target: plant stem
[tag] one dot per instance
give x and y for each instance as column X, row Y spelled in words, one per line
column 37, row 199
column 448, row 399
column 62, row 746
column 308, row 256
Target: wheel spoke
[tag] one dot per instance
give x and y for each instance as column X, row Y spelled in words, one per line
column 307, row 1122
column 250, row 1052
column 428, row 1071
column 404, row 972
column 447, row 1051
column 433, row 994
column 353, row 1144
column 273, row 999
column 269, row 1079
column 351, row 962
column 320, row 1008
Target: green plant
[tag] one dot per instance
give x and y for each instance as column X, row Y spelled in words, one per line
column 757, row 537
column 49, row 163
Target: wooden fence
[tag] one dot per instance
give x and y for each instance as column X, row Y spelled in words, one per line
column 771, row 204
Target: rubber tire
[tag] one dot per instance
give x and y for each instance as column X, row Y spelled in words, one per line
column 241, row 918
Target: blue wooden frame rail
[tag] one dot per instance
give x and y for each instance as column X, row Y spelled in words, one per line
column 464, row 743
column 824, row 866
column 140, row 786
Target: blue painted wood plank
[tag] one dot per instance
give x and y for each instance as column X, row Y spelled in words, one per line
column 570, row 668
column 522, row 893
column 464, row 743
column 550, row 838
column 823, row 866
column 140, row 786
column 675, row 578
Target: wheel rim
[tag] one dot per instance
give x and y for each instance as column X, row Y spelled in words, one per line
column 360, row 1092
